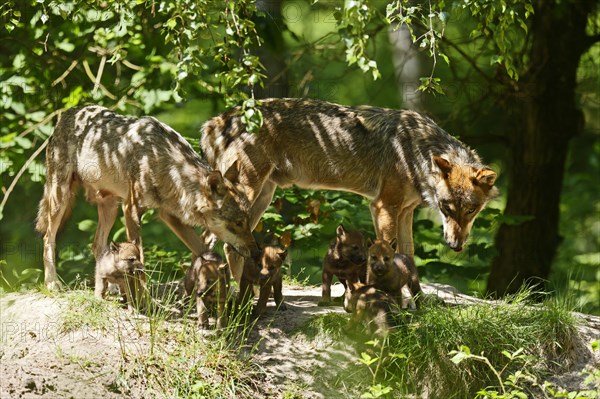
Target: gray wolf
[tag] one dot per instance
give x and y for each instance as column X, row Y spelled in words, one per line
column 267, row 275
column 208, row 280
column 397, row 158
column 389, row 271
column 346, row 259
column 146, row 164
column 118, row 264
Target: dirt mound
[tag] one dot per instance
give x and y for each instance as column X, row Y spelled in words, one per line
column 41, row 357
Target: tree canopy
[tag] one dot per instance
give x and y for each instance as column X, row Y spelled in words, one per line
column 488, row 73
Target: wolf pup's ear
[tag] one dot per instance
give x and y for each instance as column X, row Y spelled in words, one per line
column 485, row 177
column 340, row 231
column 114, row 247
column 393, row 243
column 233, row 173
column 223, row 268
column 282, row 253
column 442, row 164
column 370, row 242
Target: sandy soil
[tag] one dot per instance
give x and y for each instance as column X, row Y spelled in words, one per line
column 37, row 360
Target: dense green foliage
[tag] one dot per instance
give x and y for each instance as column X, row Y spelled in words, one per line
column 184, row 61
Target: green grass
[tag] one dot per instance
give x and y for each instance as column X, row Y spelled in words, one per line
column 416, row 359
column 168, row 355
column 84, row 310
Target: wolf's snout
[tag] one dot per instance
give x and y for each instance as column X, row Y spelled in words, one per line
column 379, row 268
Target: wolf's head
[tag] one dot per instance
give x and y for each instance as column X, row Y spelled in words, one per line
column 461, row 192
column 124, row 259
column 228, row 210
column 350, row 245
column 271, row 261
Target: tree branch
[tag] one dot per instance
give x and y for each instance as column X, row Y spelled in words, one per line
column 470, row 60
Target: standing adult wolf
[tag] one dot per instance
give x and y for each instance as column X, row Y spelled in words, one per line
column 397, row 158
column 148, row 165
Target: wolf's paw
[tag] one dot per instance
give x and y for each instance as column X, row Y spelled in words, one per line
column 54, row 285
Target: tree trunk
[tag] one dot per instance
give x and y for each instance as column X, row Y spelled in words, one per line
column 539, row 149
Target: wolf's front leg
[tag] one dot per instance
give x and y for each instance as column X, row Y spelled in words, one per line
column 385, row 219
column 202, row 311
column 404, row 235
column 278, row 294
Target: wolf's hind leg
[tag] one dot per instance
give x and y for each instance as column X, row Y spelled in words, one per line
column 59, row 194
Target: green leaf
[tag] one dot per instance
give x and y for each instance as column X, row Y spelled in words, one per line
column 87, row 225
column 65, row 46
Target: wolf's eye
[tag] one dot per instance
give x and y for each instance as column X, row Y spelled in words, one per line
column 355, row 247
column 471, row 210
column 445, row 208
column 373, row 257
column 386, row 258
column 132, row 259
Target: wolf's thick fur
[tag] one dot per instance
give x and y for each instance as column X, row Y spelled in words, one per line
column 346, row 259
column 389, row 271
column 148, row 165
column 120, row 264
column 371, row 307
column 208, row 281
column 267, row 275
column 397, row 158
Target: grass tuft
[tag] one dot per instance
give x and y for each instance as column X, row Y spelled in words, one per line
column 415, row 359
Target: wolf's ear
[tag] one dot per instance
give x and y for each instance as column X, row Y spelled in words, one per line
column 216, row 184
column 370, row 242
column 114, row 247
column 441, row 164
column 351, row 286
column 223, row 268
column 340, row 231
column 233, row 173
column 393, row 243
column 282, row 253
column 485, row 177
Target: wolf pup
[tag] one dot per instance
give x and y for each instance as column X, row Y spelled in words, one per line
column 267, row 274
column 118, row 264
column 405, row 159
column 375, row 309
column 389, row 271
column 146, row 164
column 346, row 259
column 208, row 280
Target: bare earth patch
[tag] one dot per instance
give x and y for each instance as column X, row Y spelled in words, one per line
column 39, row 359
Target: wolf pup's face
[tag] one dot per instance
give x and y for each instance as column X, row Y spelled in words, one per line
column 271, row 261
column 126, row 258
column 351, row 245
column 381, row 258
column 461, row 193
